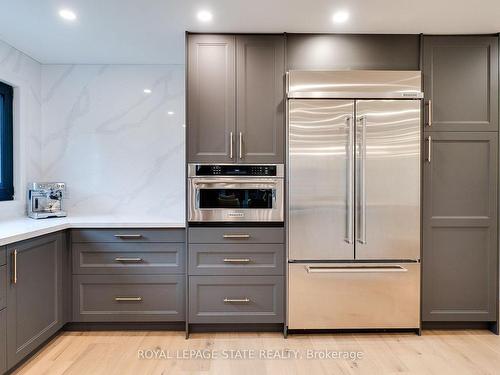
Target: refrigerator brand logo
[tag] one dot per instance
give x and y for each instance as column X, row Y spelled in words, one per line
column 235, row 214
column 410, row 94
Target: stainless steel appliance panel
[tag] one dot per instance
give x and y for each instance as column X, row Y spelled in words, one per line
column 355, row 84
column 388, row 179
column 321, row 179
column 354, row 296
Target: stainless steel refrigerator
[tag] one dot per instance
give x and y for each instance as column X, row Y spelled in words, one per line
column 354, row 140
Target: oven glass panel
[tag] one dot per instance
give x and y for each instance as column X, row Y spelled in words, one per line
column 236, row 198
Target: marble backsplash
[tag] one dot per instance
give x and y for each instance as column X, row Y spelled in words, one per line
column 24, row 74
column 119, row 149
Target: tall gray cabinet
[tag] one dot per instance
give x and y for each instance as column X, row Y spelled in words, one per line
column 235, row 98
column 460, row 179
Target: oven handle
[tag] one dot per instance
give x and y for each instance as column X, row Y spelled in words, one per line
column 270, row 182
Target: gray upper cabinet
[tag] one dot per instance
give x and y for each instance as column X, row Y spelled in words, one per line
column 34, row 294
column 211, row 106
column 461, row 83
column 235, row 99
column 460, row 256
column 260, row 75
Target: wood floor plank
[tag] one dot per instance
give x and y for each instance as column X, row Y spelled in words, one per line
column 117, row 353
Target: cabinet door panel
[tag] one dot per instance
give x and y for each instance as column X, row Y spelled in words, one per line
column 461, row 82
column 211, row 98
column 34, row 300
column 260, row 61
column 460, row 227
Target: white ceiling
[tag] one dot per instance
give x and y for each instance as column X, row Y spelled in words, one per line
column 152, row 31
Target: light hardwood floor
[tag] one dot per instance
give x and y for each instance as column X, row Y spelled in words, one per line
column 108, row 353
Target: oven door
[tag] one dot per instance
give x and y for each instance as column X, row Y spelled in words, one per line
column 235, row 200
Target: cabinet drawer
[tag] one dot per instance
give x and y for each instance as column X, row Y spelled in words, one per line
column 3, row 287
column 236, row 259
column 128, row 258
column 235, row 299
column 236, row 235
column 128, row 298
column 127, row 235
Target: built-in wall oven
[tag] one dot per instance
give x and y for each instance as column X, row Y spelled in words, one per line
column 235, row 193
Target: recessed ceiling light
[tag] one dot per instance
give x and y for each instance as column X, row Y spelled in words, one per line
column 340, row 16
column 67, row 14
column 170, row 113
column 204, row 16
column 147, row 91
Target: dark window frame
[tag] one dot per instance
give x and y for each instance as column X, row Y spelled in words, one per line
column 7, row 144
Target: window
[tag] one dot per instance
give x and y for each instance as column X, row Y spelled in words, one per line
column 6, row 148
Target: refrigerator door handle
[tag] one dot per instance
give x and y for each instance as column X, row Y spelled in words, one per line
column 350, row 182
column 355, row 269
column 362, row 183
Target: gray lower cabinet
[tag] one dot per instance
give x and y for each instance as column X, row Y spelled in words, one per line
column 237, row 235
column 34, row 294
column 236, row 299
column 128, row 258
column 260, row 95
column 460, row 254
column 128, row 298
column 3, row 341
column 241, row 259
column 461, row 82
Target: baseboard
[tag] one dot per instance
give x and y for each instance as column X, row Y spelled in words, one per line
column 233, row 327
column 491, row 326
column 125, row 326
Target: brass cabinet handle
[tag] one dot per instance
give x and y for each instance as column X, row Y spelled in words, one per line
column 122, row 259
column 236, row 300
column 241, row 145
column 231, row 146
column 429, row 148
column 429, row 113
column 241, row 236
column 14, row 267
column 128, row 236
column 236, row 260
column 128, row 299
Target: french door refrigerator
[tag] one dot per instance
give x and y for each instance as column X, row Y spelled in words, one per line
column 354, row 140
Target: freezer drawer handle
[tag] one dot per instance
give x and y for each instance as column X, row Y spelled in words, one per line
column 236, row 260
column 123, row 259
column 236, row 236
column 360, row 269
column 236, row 300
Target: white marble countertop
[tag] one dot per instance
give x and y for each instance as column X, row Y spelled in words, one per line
column 19, row 229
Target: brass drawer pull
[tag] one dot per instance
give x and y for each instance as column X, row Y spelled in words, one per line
column 14, row 267
column 236, row 236
column 237, row 260
column 122, row 259
column 128, row 299
column 236, row 300
column 128, row 236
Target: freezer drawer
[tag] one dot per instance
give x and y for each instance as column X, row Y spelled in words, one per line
column 351, row 296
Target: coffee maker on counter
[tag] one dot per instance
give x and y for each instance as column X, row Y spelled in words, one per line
column 45, row 199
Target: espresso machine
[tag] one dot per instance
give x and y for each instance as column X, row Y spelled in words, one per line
column 45, row 199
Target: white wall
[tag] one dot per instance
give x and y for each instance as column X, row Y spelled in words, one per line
column 24, row 73
column 117, row 148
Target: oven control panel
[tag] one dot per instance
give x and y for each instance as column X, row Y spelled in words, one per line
column 236, row 170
